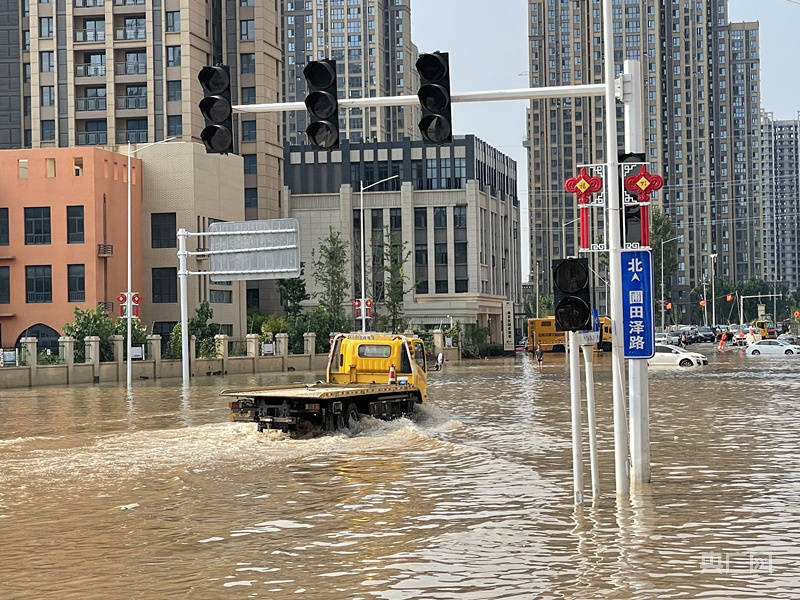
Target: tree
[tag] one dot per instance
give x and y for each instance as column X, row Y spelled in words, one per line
column 661, row 231
column 395, row 257
column 293, row 293
column 330, row 275
column 138, row 330
column 91, row 322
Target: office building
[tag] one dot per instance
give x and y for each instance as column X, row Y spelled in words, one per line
column 455, row 208
column 780, row 146
column 63, row 238
column 371, row 43
column 701, row 129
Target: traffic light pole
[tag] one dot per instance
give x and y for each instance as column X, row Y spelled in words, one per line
column 638, row 393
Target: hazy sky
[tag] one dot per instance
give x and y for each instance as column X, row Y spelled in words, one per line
column 488, row 39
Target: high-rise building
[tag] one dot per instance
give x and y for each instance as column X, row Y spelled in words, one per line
column 780, row 147
column 371, row 43
column 108, row 72
column 701, row 97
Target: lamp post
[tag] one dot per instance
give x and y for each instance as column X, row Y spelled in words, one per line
column 713, row 258
column 538, row 283
column 662, row 276
column 564, row 237
column 364, row 252
column 128, row 307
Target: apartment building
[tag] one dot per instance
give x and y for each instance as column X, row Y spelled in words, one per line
column 63, row 237
column 371, row 43
column 701, row 127
column 780, row 147
column 454, row 207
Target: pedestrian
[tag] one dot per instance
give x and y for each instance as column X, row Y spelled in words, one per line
column 683, row 340
column 539, row 355
column 722, row 340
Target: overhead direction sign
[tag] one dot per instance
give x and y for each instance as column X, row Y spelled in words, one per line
column 266, row 249
column 637, row 304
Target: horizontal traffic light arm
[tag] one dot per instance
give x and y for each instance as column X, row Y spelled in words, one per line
column 562, row 91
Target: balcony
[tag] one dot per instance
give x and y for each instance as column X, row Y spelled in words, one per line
column 131, row 102
column 90, row 70
column 88, row 104
column 134, row 136
column 130, row 68
column 90, row 35
column 92, row 138
column 129, row 2
column 105, row 250
column 130, row 33
column 89, row 3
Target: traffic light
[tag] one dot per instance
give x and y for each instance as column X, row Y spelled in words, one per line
column 632, row 213
column 216, row 109
column 434, row 96
column 572, row 296
column 322, row 103
column 669, row 305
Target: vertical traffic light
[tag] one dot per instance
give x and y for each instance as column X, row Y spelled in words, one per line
column 216, row 109
column 322, row 103
column 632, row 213
column 434, row 95
column 571, row 294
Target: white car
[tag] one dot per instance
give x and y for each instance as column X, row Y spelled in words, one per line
column 772, row 347
column 672, row 356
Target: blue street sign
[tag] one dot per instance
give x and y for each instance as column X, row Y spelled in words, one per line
column 595, row 320
column 637, row 304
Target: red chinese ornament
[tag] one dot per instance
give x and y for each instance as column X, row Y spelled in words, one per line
column 643, row 184
column 584, row 185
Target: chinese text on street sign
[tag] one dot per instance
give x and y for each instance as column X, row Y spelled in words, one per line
column 637, row 304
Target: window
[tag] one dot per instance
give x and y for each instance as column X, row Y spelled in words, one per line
column 162, row 230
column 26, row 40
column 248, row 62
column 250, row 164
column 45, row 27
column 5, row 286
column 38, row 284
column 76, row 283
column 37, row 225
column 174, row 125
column 26, row 106
column 26, row 69
column 4, row 226
column 46, row 61
column 251, row 197
column 174, row 92
column 47, row 95
column 50, row 167
column 165, row 285
column 246, row 2
column 420, row 254
column 441, row 286
column 48, row 130
column 220, row 296
column 173, row 21
column 248, row 131
column 248, row 95
column 77, row 166
column 440, row 217
column 173, row 56
column 247, row 30
column 75, row 224
column 374, row 351
column 460, row 216
column 421, row 218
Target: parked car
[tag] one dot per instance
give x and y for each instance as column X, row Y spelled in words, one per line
column 772, row 347
column 706, row 334
column 671, row 356
column 673, row 337
column 789, row 337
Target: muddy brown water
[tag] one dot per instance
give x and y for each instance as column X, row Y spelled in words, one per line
column 157, row 495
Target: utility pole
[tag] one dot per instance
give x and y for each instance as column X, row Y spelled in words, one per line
column 713, row 293
column 538, row 283
column 705, row 305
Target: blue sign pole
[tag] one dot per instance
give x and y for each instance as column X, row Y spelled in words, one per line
column 637, row 304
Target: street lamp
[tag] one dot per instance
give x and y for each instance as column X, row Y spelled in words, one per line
column 128, row 307
column 364, row 252
column 564, row 237
column 713, row 258
column 679, row 237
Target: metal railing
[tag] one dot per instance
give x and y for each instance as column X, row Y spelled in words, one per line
column 130, row 68
column 89, row 3
column 134, row 136
column 38, row 297
column 129, row 2
column 106, row 307
column 131, row 102
column 90, row 70
column 92, row 138
column 98, row 103
column 130, row 33
column 90, row 35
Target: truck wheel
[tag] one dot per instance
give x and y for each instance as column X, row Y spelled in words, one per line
column 351, row 416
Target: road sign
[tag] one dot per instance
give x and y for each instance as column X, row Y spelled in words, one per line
column 637, row 304
column 591, row 337
column 265, row 249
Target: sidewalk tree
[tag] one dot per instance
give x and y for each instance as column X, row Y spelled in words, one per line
column 138, row 330
column 331, row 276
column 662, row 230
column 395, row 282
column 91, row 322
column 293, row 293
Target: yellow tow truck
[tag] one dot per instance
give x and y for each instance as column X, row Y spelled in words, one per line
column 378, row 374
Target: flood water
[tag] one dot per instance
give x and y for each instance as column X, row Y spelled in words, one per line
column 157, row 495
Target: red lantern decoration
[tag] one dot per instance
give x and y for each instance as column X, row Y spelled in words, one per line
column 583, row 185
column 643, row 184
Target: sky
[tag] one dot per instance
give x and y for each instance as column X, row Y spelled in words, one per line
column 488, row 45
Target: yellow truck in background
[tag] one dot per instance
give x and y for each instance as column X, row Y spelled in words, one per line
column 543, row 331
column 378, row 374
column 766, row 327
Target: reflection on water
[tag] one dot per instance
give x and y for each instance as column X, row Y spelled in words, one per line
column 157, row 495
